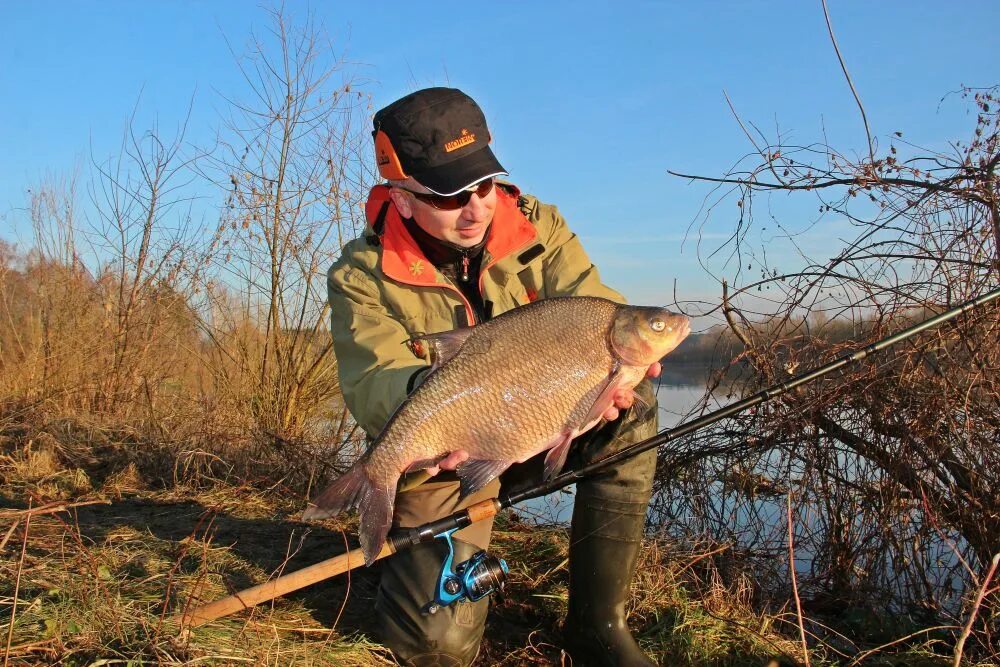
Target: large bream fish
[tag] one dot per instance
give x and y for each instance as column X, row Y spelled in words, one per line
column 530, row 380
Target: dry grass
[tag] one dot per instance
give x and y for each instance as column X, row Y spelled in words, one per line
column 99, row 555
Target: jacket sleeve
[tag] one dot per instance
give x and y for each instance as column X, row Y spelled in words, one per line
column 375, row 366
column 566, row 268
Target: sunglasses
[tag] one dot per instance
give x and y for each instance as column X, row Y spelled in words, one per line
column 455, row 201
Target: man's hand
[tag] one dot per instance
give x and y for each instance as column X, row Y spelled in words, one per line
column 450, row 462
column 624, row 398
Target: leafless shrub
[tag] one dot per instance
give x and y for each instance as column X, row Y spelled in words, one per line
column 293, row 166
column 893, row 466
column 215, row 339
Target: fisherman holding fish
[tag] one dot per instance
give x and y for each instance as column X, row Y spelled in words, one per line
column 447, row 249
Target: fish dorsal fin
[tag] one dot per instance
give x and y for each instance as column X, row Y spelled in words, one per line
column 445, row 345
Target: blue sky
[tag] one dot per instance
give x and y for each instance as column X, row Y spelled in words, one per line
column 589, row 102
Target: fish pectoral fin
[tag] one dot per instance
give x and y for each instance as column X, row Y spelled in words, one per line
column 556, row 457
column 474, row 474
column 639, row 404
column 617, row 379
column 445, row 345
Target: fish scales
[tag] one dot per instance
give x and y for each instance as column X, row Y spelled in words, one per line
column 527, row 381
column 512, row 390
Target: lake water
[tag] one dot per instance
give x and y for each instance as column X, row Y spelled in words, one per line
column 760, row 525
column 676, row 400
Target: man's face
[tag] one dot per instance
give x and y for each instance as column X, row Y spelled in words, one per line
column 465, row 227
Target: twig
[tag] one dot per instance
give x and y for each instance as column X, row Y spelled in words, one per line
column 864, row 654
column 746, row 628
column 727, row 311
column 50, row 508
column 17, row 587
column 829, row 26
column 10, row 532
column 967, row 630
column 764, row 154
column 343, row 604
column 701, row 556
column 944, row 186
column 795, row 584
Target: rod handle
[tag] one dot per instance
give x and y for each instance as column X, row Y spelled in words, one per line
column 269, row 590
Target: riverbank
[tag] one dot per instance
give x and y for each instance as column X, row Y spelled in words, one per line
column 96, row 556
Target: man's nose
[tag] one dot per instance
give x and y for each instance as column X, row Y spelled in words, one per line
column 476, row 210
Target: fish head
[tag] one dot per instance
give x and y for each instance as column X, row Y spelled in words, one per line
column 642, row 335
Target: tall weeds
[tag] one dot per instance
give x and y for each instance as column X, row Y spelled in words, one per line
column 134, row 313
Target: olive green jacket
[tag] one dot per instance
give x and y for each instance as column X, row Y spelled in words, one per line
column 384, row 293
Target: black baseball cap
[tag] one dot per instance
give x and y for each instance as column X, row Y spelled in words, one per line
column 438, row 136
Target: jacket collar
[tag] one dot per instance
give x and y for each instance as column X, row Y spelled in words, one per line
column 402, row 259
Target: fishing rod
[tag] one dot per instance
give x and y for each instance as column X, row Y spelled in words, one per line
column 483, row 573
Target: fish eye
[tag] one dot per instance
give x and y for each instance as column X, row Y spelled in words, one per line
column 657, row 325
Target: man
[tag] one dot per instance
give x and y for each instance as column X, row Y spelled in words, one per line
column 449, row 246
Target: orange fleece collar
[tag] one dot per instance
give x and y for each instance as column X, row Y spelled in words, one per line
column 402, row 259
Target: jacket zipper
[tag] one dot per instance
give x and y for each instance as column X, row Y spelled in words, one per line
column 465, row 276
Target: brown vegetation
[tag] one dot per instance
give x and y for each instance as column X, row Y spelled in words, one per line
column 214, row 337
column 892, row 468
column 168, row 397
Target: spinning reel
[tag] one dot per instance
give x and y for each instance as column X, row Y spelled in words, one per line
column 471, row 580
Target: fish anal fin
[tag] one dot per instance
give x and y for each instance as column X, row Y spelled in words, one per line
column 474, row 474
column 555, row 459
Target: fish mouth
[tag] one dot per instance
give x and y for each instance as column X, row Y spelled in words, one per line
column 683, row 329
column 682, row 332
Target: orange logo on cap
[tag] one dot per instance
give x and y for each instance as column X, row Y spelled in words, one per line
column 463, row 140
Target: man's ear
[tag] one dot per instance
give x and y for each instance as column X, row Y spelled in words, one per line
column 402, row 201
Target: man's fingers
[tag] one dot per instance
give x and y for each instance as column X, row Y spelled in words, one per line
column 654, row 370
column 611, row 414
column 623, row 399
column 453, row 460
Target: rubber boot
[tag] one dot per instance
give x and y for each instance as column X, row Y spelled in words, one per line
column 448, row 638
column 451, row 637
column 609, row 517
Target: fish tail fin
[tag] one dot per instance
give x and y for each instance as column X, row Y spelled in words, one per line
column 344, row 493
column 356, row 488
column 376, row 518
